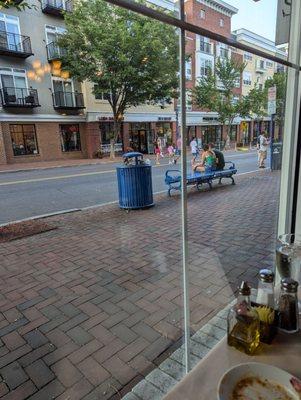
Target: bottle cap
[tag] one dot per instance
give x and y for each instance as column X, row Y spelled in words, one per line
column 289, row 285
column 244, row 289
column 266, row 275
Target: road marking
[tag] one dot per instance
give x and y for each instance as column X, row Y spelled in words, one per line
column 52, row 178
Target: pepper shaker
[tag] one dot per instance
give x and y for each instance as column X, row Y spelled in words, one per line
column 288, row 306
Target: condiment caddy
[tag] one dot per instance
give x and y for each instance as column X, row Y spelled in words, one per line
column 250, row 323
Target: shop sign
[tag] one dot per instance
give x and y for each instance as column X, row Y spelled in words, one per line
column 164, row 118
column 244, row 126
column 105, row 119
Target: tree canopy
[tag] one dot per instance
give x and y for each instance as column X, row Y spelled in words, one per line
column 19, row 5
column 216, row 91
column 130, row 58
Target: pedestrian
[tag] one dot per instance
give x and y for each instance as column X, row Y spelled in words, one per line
column 171, row 153
column 194, row 149
column 220, row 159
column 178, row 150
column 157, row 153
column 160, row 145
column 262, row 147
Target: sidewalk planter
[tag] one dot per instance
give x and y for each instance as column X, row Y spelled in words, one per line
column 134, row 182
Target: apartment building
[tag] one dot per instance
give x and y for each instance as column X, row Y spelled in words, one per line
column 42, row 113
column 257, row 71
column 214, row 15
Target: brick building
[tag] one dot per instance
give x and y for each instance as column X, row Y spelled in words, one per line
column 214, row 15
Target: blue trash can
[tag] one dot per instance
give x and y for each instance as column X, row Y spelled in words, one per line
column 134, row 182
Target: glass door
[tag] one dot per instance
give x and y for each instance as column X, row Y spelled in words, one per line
column 63, row 93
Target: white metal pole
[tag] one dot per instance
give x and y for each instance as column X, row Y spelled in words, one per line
column 184, row 193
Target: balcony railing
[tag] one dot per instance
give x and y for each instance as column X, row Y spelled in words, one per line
column 12, row 44
column 19, row 97
column 56, row 7
column 68, row 100
column 54, row 52
column 205, row 47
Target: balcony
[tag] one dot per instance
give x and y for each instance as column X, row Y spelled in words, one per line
column 54, row 52
column 68, row 100
column 12, row 44
column 56, row 7
column 260, row 67
column 12, row 97
column 205, row 47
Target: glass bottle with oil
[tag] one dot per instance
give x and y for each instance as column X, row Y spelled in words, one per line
column 243, row 323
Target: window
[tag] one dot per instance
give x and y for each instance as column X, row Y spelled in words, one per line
column 53, row 33
column 70, row 138
column 247, row 78
column 13, row 84
column 188, row 70
column 100, row 95
column 24, row 139
column 203, row 14
column 269, row 64
column 205, row 45
column 11, row 39
column 221, row 22
column 248, row 57
column 206, row 66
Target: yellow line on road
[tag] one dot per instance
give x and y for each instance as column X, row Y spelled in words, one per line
column 52, row 178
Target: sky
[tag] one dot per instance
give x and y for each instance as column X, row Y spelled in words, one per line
column 258, row 17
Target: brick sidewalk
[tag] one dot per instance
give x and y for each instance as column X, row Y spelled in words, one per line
column 86, row 309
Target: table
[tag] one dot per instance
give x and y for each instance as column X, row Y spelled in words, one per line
column 202, row 382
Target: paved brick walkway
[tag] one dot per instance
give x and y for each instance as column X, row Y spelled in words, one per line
column 86, row 309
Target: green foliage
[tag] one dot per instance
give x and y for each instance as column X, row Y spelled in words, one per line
column 132, row 57
column 257, row 99
column 20, row 6
column 216, row 91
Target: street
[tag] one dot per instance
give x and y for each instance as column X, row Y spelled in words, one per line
column 32, row 193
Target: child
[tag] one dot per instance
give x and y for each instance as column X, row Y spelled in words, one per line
column 157, row 153
column 171, row 153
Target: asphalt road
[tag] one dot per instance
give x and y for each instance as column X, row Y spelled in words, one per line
column 32, row 193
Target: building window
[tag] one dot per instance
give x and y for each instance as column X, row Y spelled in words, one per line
column 24, row 139
column 203, row 14
column 206, row 67
column 247, row 56
column 70, row 137
column 221, row 22
column 100, row 95
column 188, row 70
column 269, row 64
column 247, row 78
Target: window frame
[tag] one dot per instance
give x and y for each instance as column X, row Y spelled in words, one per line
column 77, row 133
column 23, row 133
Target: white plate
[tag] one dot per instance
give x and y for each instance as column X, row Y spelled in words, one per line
column 263, row 371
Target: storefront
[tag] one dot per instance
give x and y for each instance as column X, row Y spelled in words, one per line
column 106, row 131
column 141, row 137
column 164, row 132
column 212, row 134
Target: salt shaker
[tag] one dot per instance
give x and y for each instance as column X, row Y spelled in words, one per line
column 288, row 306
column 265, row 292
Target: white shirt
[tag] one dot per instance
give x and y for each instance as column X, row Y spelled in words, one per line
column 263, row 143
column 193, row 146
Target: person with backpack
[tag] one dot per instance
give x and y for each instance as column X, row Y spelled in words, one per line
column 220, row 159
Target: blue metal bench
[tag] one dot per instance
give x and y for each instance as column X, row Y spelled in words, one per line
column 173, row 177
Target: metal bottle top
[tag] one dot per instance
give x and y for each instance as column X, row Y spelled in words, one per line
column 289, row 285
column 266, row 275
column 244, row 289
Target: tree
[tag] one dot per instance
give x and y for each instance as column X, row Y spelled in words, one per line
column 257, row 99
column 216, row 92
column 130, row 58
column 19, row 5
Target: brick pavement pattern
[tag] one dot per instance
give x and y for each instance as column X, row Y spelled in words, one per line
column 88, row 309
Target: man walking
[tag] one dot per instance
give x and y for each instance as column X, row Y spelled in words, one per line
column 262, row 147
column 194, row 148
